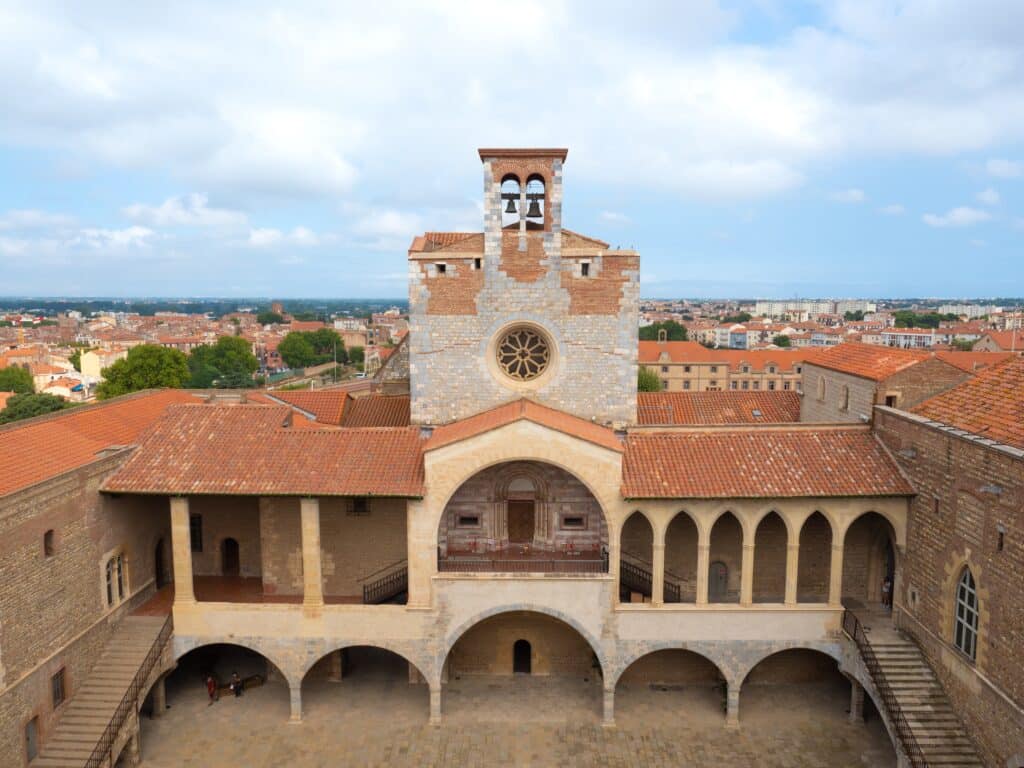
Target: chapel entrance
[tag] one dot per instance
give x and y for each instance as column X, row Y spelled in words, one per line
column 229, row 557
column 520, row 521
column 521, row 657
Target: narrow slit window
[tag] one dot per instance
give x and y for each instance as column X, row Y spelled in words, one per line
column 469, row 521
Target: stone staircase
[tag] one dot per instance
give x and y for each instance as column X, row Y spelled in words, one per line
column 84, row 721
column 933, row 724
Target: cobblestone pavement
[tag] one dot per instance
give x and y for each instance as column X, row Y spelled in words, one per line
column 509, row 722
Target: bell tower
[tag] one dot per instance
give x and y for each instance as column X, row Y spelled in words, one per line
column 523, row 309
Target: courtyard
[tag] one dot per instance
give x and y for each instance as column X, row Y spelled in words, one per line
column 375, row 717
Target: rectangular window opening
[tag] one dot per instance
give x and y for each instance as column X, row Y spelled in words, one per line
column 57, row 688
column 441, row 268
column 358, row 506
column 195, row 532
column 573, row 521
column 477, row 263
column 469, row 521
column 585, row 269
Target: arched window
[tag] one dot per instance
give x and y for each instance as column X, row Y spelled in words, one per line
column 115, row 580
column 965, row 622
column 821, row 387
column 49, row 548
column 535, row 200
column 844, row 403
column 510, row 200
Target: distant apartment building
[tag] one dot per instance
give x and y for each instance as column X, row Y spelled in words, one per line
column 686, row 366
column 765, row 308
column 855, row 305
column 909, row 338
column 969, row 310
column 95, row 360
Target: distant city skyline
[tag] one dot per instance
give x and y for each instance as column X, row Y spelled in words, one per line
column 760, row 150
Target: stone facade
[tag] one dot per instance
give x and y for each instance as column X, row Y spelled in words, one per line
column 968, row 513
column 461, row 301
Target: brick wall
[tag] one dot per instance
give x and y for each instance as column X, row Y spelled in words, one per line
column 814, row 565
column 681, row 556
column 794, row 666
column 966, row 491
column 770, row 545
column 53, row 611
column 280, row 545
column 235, row 517
column 921, row 381
column 352, row 548
column 671, row 667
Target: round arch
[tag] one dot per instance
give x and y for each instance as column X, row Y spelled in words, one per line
column 403, row 653
column 453, row 636
column 832, row 652
column 667, row 645
column 280, row 668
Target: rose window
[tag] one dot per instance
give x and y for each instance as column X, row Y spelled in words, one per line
column 523, row 354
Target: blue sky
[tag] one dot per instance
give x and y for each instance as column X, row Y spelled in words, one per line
column 852, row 148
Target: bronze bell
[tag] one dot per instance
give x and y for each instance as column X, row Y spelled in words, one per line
column 511, row 207
column 534, row 210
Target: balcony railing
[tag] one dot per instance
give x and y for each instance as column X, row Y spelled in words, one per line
column 522, row 565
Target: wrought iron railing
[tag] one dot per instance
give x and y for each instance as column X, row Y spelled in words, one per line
column 522, row 565
column 853, row 628
column 634, row 578
column 673, row 589
column 388, row 586
column 130, row 699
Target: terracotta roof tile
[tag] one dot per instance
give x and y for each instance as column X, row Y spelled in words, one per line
column 249, row 450
column 726, row 407
column 990, row 405
column 868, row 361
column 327, row 405
column 530, row 411
column 759, row 463
column 1007, row 340
column 972, row 361
column 37, row 449
column 377, row 411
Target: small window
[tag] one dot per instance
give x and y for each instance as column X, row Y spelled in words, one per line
column 573, row 521
column 115, row 580
column 965, row 627
column 686, row 369
column 469, row 521
column 664, row 369
column 785, row 385
column 714, row 369
column 757, row 385
column 771, row 386
column 57, row 688
column 799, row 369
column 48, row 544
column 664, row 383
column 686, row 384
column 771, row 369
column 746, row 385
column 844, row 401
column 746, row 369
column 195, row 532
column 1000, row 538
column 477, row 263
column 713, row 383
column 358, row 506
column 441, row 268
column 821, row 387
column 585, row 269
column 733, row 384
column 890, row 401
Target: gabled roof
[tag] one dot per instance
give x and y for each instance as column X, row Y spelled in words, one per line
column 690, row 352
column 250, row 450
column 327, row 405
column 989, row 405
column 725, row 407
column 377, row 411
column 1007, row 340
column 972, row 362
column 527, row 410
column 759, row 463
column 868, row 361
column 37, row 449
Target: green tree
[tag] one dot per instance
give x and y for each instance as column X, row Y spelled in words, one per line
column 854, row 316
column 269, row 318
column 15, row 379
column 964, row 345
column 147, row 366
column 297, row 350
column 227, row 363
column 27, row 405
column 673, row 331
column 739, row 317
column 782, row 340
column 647, row 380
column 76, row 360
column 356, row 355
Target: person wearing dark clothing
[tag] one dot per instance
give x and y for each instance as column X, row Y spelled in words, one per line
column 211, row 689
column 236, row 684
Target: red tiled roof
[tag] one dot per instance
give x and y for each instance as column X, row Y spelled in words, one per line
column 377, row 411
column 761, row 463
column 248, row 450
column 990, row 405
column 530, row 411
column 328, row 405
column 869, row 361
column 1007, row 340
column 694, row 353
column 972, row 361
column 726, row 407
column 37, row 449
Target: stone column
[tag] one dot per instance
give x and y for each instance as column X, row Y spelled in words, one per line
column 856, row 702
column 159, row 697
column 835, row 582
column 658, row 573
column 747, row 571
column 312, row 581
column 337, row 669
column 181, row 547
column 792, row 567
column 732, row 706
column 703, row 565
column 608, row 720
column 435, row 704
column 295, row 697
column 131, row 749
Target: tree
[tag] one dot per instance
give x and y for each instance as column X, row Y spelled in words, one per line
column 15, row 379
column 782, row 340
column 673, row 331
column 964, row 345
column 647, row 380
column 27, row 405
column 76, row 360
column 356, row 355
column 269, row 318
column 147, row 366
column 227, row 363
column 739, row 317
column 854, row 316
column 297, row 350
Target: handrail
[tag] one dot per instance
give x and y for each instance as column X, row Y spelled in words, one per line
column 527, row 565
column 853, row 628
column 130, row 698
column 635, row 578
column 382, row 569
column 387, row 586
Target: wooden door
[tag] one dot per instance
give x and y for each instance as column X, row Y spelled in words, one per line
column 520, row 522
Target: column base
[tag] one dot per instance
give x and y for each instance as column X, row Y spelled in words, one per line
column 732, row 725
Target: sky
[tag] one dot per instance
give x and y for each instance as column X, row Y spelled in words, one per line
column 857, row 148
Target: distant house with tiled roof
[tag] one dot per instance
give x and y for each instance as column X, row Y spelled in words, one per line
column 843, row 383
column 686, row 366
column 1001, row 341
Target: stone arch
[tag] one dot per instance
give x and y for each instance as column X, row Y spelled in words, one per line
column 742, row 673
column 759, row 515
column 954, row 569
column 681, row 537
column 771, row 549
column 864, row 553
column 814, row 564
column 841, row 528
column 725, row 542
column 453, row 636
column 384, row 645
column 665, row 645
column 286, row 671
column 636, row 555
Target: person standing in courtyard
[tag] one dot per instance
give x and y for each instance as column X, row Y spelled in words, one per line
column 887, row 592
column 211, row 689
column 236, row 684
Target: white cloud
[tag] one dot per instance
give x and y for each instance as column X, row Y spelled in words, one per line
column 988, row 197
column 129, row 237
column 1004, row 169
column 895, row 209
column 268, row 237
column 186, row 211
column 956, row 217
column 852, row 195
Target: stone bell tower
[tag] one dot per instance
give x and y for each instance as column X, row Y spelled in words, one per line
column 523, row 309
